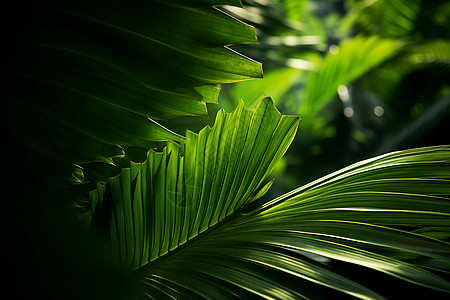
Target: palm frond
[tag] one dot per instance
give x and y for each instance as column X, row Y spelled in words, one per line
column 183, row 226
column 96, row 72
column 159, row 205
column 346, row 62
column 350, row 216
column 390, row 19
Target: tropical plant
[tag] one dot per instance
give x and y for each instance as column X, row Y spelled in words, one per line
column 187, row 227
column 362, row 74
column 113, row 211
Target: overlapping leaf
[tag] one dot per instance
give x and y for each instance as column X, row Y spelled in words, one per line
column 346, row 216
column 181, row 222
column 161, row 204
column 95, row 72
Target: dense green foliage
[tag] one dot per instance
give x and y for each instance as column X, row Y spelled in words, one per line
column 389, row 58
column 129, row 176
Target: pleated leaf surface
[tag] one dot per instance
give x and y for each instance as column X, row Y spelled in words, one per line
column 159, row 205
column 181, row 223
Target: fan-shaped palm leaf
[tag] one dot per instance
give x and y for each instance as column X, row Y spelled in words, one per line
column 221, row 170
column 182, row 225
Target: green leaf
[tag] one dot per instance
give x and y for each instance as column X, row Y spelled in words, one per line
column 355, row 205
column 343, row 64
column 436, row 51
column 177, row 198
column 262, row 191
column 392, row 19
column 275, row 84
column 182, row 225
column 440, row 233
column 96, row 72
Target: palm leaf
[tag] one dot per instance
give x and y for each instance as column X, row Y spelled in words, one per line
column 96, row 73
column 182, row 224
column 351, row 59
column 392, row 19
column 434, row 52
column 277, row 84
column 222, row 169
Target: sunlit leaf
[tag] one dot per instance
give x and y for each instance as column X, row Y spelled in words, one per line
column 344, row 63
column 169, row 199
column 182, row 225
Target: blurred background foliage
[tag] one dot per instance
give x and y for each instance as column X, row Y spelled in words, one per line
column 367, row 77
